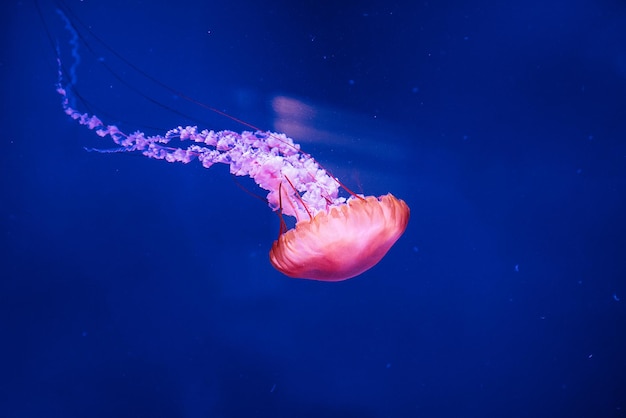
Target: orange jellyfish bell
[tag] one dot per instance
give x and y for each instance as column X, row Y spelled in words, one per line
column 342, row 242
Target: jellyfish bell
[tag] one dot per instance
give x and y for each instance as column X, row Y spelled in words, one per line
column 342, row 242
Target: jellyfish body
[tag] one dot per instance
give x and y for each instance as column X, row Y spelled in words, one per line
column 342, row 242
column 334, row 238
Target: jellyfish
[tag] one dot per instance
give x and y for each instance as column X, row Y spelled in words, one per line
column 333, row 239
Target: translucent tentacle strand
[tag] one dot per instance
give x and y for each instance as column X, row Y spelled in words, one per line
column 267, row 157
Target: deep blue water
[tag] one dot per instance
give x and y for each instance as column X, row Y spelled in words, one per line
column 136, row 288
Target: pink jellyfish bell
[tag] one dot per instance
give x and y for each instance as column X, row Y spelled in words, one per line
column 342, row 241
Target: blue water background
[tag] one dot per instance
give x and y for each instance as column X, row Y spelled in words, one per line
column 136, row 288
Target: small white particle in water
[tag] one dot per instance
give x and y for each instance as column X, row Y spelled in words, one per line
column 590, row 356
column 517, row 268
column 615, row 297
column 273, row 387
